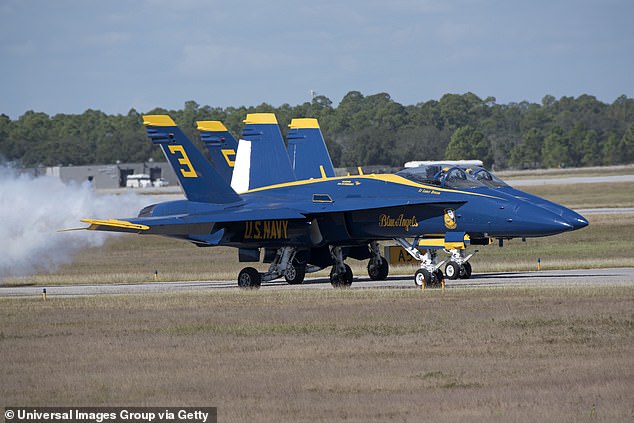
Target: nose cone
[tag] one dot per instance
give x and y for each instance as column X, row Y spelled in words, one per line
column 575, row 219
column 528, row 220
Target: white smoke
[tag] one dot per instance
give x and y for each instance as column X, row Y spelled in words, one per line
column 32, row 210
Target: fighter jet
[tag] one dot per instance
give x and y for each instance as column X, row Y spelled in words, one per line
column 320, row 220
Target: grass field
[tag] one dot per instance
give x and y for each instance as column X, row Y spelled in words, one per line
column 482, row 355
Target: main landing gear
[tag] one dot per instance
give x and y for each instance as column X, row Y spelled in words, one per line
column 285, row 264
column 378, row 267
column 429, row 274
column 341, row 273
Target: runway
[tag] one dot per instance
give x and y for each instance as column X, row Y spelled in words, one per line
column 545, row 278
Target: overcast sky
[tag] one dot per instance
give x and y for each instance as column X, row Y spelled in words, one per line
column 66, row 56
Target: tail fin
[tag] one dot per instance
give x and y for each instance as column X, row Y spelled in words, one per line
column 199, row 179
column 307, row 150
column 221, row 144
column 261, row 158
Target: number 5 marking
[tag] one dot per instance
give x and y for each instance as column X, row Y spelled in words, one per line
column 187, row 170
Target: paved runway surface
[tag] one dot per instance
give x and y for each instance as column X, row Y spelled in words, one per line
column 558, row 278
column 571, row 180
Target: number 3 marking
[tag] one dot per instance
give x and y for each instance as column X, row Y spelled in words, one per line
column 187, row 170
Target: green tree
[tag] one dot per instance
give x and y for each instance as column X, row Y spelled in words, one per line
column 555, row 152
column 469, row 143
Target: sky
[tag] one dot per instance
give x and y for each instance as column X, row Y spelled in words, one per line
column 67, row 56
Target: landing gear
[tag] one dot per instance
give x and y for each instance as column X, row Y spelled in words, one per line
column 249, row 278
column 378, row 267
column 341, row 279
column 429, row 272
column 284, row 264
column 424, row 277
column 295, row 273
column 458, row 266
column 341, row 273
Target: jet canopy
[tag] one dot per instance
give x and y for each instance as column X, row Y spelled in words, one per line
column 486, row 177
column 441, row 176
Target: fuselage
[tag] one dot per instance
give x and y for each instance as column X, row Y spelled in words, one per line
column 354, row 209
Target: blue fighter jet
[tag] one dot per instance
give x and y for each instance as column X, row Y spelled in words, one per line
column 321, row 220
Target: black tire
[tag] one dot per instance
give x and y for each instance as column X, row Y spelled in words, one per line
column 380, row 272
column 295, row 274
column 422, row 276
column 437, row 278
column 343, row 280
column 452, row 270
column 466, row 271
column 249, row 278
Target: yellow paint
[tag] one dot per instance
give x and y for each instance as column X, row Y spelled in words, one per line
column 211, row 125
column 95, row 223
column 450, row 219
column 323, row 172
column 304, row 123
column 360, row 170
column 187, row 170
column 266, row 229
column 390, row 178
column 261, row 118
column 229, row 152
column 158, row 120
column 400, row 221
column 398, row 255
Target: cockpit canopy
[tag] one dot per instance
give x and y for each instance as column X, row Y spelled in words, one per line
column 441, row 176
column 486, row 177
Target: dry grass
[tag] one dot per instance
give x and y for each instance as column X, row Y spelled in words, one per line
column 618, row 194
column 521, row 355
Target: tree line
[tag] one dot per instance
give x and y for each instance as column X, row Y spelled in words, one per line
column 361, row 130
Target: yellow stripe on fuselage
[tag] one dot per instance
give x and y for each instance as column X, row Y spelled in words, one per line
column 391, row 178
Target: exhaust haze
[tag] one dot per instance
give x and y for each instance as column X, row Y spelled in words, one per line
column 33, row 209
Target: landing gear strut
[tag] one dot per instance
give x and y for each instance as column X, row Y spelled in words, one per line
column 341, row 274
column 284, row 264
column 458, row 266
column 429, row 273
column 378, row 267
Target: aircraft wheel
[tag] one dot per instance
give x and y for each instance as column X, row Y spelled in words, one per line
column 437, row 279
column 422, row 276
column 379, row 272
column 452, row 270
column 465, row 272
column 294, row 274
column 342, row 280
column 249, row 278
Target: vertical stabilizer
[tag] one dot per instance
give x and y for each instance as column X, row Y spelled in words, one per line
column 307, row 150
column 221, row 144
column 261, row 159
column 199, row 179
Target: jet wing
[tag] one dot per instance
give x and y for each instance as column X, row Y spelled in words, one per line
column 187, row 224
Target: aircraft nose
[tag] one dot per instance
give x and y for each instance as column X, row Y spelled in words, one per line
column 534, row 221
column 576, row 220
